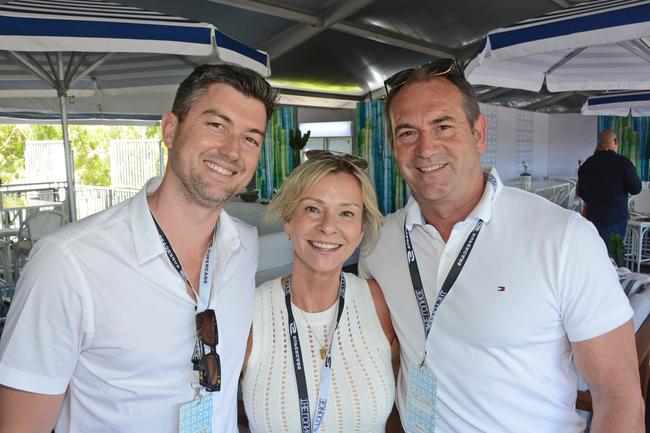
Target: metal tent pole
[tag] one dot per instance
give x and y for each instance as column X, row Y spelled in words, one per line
column 69, row 159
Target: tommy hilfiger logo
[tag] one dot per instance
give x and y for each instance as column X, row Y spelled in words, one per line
column 501, row 288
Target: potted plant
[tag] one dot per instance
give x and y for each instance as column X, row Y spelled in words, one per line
column 616, row 250
column 525, row 178
column 297, row 140
column 250, row 194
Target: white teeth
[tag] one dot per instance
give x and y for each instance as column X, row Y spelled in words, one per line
column 218, row 169
column 324, row 246
column 431, row 168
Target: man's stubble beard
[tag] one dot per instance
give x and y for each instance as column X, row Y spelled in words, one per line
column 195, row 190
column 199, row 193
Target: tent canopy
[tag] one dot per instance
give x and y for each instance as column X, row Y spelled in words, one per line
column 596, row 45
column 618, row 104
column 108, row 51
column 95, row 48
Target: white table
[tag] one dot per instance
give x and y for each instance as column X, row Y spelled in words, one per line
column 636, row 232
column 557, row 191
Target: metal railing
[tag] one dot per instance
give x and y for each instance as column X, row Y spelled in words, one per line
column 93, row 199
column 20, row 199
column 17, row 201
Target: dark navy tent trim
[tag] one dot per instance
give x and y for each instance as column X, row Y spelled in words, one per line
column 632, row 15
column 107, row 15
column 224, row 41
column 576, row 10
column 28, row 5
column 86, row 4
column 609, row 99
column 15, row 26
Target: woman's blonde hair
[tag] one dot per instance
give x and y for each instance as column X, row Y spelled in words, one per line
column 308, row 174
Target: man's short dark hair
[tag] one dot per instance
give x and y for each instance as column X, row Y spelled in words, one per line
column 470, row 103
column 244, row 80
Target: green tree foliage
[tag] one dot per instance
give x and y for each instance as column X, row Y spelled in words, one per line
column 90, row 146
column 12, row 153
column 43, row 132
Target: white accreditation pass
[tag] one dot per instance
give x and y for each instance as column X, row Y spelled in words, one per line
column 420, row 400
column 196, row 416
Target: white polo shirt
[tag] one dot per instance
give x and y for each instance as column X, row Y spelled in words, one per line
column 537, row 278
column 101, row 315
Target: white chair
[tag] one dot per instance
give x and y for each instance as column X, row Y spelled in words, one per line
column 35, row 227
column 641, row 202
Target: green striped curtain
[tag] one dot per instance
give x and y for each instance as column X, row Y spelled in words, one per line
column 276, row 158
column 373, row 145
column 633, row 137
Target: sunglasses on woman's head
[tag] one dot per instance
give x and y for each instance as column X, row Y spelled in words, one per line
column 352, row 159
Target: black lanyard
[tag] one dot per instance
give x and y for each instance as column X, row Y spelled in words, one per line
column 205, row 280
column 456, row 267
column 298, row 365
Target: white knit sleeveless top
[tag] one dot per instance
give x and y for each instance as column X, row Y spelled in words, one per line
column 363, row 388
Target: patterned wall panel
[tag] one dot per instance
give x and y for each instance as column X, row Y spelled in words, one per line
column 489, row 158
column 524, row 141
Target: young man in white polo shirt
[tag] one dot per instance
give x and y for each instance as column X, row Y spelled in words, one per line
column 492, row 289
column 102, row 333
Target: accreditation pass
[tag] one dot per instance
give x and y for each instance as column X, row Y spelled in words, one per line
column 421, row 388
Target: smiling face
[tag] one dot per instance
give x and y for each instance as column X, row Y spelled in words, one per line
column 214, row 151
column 327, row 225
column 436, row 149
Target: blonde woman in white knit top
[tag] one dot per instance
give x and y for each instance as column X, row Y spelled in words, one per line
column 319, row 353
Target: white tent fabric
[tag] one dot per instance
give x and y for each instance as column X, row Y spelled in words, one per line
column 618, row 104
column 101, row 50
column 596, row 45
column 148, row 52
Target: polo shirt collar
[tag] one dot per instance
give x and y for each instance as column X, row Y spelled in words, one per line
column 483, row 209
column 145, row 233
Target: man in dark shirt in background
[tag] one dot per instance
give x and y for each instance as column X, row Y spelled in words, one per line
column 604, row 182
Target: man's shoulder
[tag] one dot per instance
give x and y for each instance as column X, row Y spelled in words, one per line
column 624, row 159
column 393, row 222
column 594, row 162
column 101, row 224
column 73, row 246
column 389, row 235
column 519, row 205
column 587, row 162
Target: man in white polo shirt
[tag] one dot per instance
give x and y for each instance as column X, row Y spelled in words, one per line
column 136, row 319
column 492, row 289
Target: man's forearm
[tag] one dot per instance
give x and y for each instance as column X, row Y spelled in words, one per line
column 618, row 416
column 26, row 412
